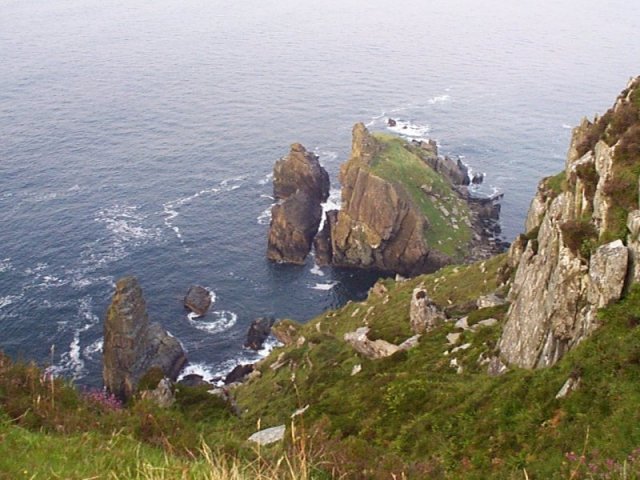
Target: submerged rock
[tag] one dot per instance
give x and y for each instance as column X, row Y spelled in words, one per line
column 133, row 345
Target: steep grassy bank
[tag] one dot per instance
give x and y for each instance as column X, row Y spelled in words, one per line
column 410, row 413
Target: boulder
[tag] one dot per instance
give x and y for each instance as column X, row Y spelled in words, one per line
column 369, row 348
column 162, row 395
column 268, row 435
column 294, row 223
column 133, row 345
column 198, row 300
column 423, row 313
column 300, row 170
column 258, row 332
column 491, row 300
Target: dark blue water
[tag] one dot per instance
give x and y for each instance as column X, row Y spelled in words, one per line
column 137, row 138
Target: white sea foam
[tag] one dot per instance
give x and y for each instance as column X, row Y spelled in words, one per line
column 72, row 361
column 126, row 227
column 315, row 270
column 266, row 179
column 410, row 130
column 5, row 265
column 326, row 155
column 171, row 209
column 94, row 348
column 324, row 286
column 334, row 201
column 217, row 322
column 568, row 127
column 439, row 99
column 265, row 216
column 9, row 299
column 206, row 371
column 374, row 120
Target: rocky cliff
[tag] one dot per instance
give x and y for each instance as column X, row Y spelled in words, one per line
column 581, row 247
column 402, row 209
column 301, row 185
column 133, row 345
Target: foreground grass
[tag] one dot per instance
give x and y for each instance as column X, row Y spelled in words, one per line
column 411, row 415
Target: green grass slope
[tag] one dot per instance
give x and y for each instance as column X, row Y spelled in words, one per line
column 412, row 415
column 398, row 164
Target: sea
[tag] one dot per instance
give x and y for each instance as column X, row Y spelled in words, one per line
column 138, row 138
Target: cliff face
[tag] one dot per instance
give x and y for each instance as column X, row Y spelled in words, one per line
column 301, row 185
column 581, row 247
column 133, row 345
column 399, row 212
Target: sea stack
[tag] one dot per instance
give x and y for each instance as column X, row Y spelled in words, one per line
column 301, row 185
column 133, row 345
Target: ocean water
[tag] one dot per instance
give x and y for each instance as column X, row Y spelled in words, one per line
column 137, row 138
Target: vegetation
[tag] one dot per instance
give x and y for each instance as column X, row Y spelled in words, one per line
column 620, row 126
column 399, row 165
column 415, row 413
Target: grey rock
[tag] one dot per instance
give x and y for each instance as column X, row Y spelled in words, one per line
column 410, row 343
column 162, row 395
column 462, row 323
column 423, row 313
column 268, row 435
column 369, row 348
column 488, row 322
column 491, row 300
column 452, row 338
column 571, row 385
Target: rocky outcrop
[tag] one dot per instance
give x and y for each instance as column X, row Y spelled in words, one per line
column 369, row 348
column 568, row 265
column 259, row 331
column 384, row 221
column 423, row 312
column 300, row 170
column 301, row 185
column 133, row 345
column 198, row 300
